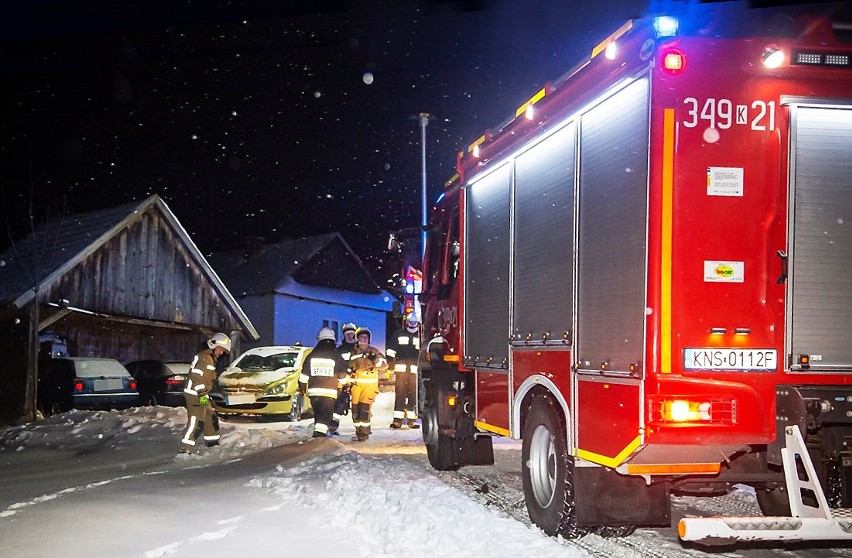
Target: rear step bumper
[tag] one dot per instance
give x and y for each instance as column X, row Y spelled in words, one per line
column 811, row 520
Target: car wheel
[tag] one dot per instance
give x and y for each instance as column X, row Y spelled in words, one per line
column 55, row 408
column 295, row 414
column 149, row 400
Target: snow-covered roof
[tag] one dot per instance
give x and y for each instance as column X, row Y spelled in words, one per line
column 56, row 247
column 321, row 267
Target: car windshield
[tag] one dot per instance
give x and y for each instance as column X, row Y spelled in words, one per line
column 269, row 362
column 97, row 368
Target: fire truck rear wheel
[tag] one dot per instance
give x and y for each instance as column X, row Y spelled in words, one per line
column 439, row 447
column 774, row 502
column 548, row 471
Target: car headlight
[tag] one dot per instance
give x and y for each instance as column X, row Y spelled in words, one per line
column 280, row 389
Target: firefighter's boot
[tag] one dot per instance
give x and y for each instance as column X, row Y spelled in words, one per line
column 412, row 424
column 397, row 423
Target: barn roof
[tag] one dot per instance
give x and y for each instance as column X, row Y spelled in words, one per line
column 55, row 247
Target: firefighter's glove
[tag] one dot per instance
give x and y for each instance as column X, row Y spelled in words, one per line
column 203, row 400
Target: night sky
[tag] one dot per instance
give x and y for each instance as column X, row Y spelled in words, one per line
column 272, row 118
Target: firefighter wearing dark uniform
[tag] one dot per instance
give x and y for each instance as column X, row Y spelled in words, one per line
column 365, row 364
column 403, row 351
column 201, row 416
column 341, row 406
column 322, row 375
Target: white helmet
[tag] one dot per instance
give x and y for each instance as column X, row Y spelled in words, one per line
column 411, row 321
column 220, row 340
column 325, row 333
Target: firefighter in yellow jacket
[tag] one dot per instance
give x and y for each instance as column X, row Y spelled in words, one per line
column 202, row 374
column 365, row 364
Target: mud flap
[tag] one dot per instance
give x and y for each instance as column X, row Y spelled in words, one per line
column 477, row 451
column 604, row 497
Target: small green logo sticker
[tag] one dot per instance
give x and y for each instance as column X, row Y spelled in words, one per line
column 724, row 270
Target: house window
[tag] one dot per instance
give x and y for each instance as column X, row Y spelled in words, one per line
column 333, row 325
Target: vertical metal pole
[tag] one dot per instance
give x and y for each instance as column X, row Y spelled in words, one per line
column 424, row 121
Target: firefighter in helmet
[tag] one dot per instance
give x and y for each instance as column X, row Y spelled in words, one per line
column 201, row 416
column 321, row 377
column 403, row 351
column 344, row 397
column 365, row 365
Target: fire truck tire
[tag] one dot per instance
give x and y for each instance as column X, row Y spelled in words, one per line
column 439, row 447
column 773, row 502
column 548, row 471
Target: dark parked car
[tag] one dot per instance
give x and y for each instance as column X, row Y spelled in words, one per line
column 84, row 383
column 158, row 382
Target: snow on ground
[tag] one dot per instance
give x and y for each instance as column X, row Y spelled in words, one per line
column 85, row 484
column 360, row 499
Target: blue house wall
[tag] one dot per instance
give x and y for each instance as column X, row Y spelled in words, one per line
column 300, row 320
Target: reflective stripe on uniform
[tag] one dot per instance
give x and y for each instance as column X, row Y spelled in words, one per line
column 399, row 414
column 212, row 438
column 322, row 392
column 321, row 428
column 399, row 367
column 303, row 378
column 190, row 430
column 391, row 353
column 362, row 424
column 366, row 380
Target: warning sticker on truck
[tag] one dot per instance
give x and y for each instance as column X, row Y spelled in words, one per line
column 724, row 181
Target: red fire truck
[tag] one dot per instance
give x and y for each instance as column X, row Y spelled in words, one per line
column 646, row 275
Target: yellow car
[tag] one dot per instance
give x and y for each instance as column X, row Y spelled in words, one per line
column 263, row 381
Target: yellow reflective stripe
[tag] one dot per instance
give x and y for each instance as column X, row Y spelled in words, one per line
column 666, row 243
column 491, row 428
column 609, row 461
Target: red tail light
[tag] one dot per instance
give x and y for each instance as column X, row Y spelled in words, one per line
column 131, row 384
column 78, row 385
column 174, row 381
column 674, row 61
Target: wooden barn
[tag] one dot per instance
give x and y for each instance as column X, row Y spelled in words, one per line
column 126, row 283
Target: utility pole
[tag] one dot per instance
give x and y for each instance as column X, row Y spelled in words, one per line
column 424, row 121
